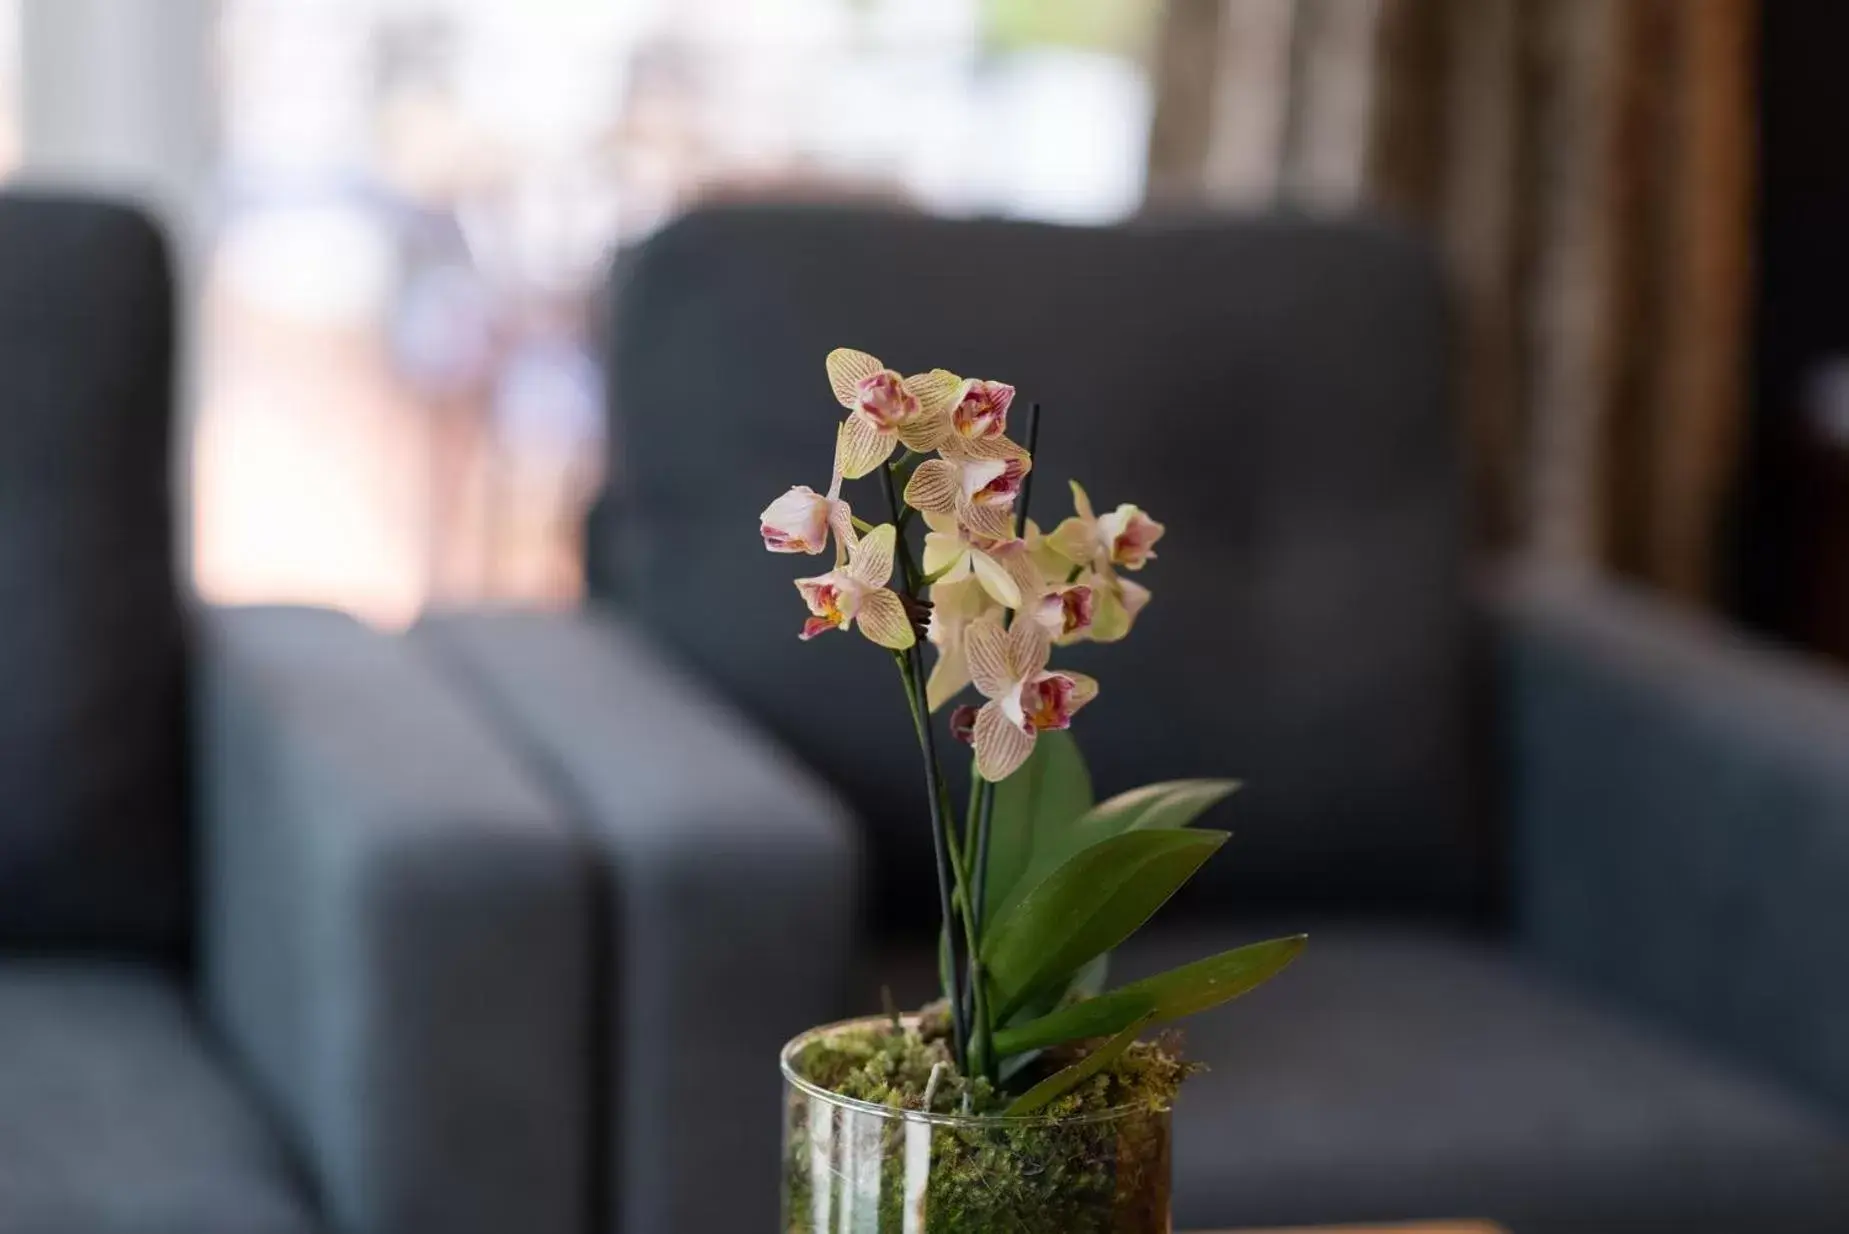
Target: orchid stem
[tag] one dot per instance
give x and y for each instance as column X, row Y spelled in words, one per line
column 911, row 670
column 982, row 797
column 921, row 722
column 1027, row 481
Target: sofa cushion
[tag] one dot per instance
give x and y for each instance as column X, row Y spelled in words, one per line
column 116, row 1117
column 91, row 713
column 1275, row 390
column 1400, row 1074
column 1395, row 1075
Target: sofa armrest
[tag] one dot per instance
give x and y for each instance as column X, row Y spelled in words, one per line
column 397, row 931
column 733, row 876
column 1681, row 811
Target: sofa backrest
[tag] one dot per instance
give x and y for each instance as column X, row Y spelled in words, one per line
column 1275, row 391
column 91, row 723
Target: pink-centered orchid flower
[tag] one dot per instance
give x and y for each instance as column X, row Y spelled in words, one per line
column 801, row 519
column 978, row 411
column 1065, row 612
column 1098, row 546
column 885, row 410
column 982, row 410
column 858, row 592
column 1009, row 669
column 1124, row 538
column 980, row 492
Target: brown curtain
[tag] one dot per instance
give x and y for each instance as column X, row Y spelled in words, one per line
column 1585, row 166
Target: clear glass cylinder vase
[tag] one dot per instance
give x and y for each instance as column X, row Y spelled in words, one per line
column 852, row 1167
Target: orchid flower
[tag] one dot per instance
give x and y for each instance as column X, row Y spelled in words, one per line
column 954, row 606
column 980, row 491
column 951, row 555
column 885, row 409
column 1125, row 537
column 1099, row 545
column 858, row 591
column 1066, row 612
column 977, row 411
column 1009, row 669
column 1063, row 610
column 801, row 519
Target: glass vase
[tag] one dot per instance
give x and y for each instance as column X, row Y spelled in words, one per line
column 852, row 1167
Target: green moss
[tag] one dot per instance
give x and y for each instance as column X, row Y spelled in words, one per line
column 1096, row 1159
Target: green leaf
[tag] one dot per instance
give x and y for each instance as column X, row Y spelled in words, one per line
column 1034, row 810
column 1086, row 907
column 1168, row 996
column 1088, row 982
column 1065, row 1080
column 1171, row 804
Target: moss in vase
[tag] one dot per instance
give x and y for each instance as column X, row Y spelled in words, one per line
column 1095, row 1159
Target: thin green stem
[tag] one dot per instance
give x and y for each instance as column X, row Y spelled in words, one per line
column 985, row 813
column 942, row 854
column 909, row 574
column 951, row 875
column 982, row 809
column 1027, row 481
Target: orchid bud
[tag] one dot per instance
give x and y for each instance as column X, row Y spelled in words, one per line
column 796, row 522
column 963, row 724
column 1129, row 536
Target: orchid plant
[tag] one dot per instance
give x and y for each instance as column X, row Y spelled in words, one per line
column 1040, row 882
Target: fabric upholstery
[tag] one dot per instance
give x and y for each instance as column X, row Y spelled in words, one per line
column 117, row 1118
column 1398, row 1074
column 732, row 899
column 1274, row 390
column 92, row 839
column 397, row 927
column 1681, row 810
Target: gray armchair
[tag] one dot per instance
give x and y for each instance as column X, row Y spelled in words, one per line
column 316, row 958
column 1573, row 866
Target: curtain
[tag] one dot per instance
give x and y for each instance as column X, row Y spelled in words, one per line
column 1585, row 166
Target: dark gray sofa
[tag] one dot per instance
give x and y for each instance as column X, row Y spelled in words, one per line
column 288, row 941
column 1575, row 867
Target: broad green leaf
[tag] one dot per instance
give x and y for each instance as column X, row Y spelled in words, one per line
column 1033, row 809
column 1171, row 804
column 1088, row 982
column 1065, row 1080
column 1168, row 996
column 1086, row 907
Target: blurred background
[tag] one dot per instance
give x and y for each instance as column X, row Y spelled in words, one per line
column 398, row 211
column 1586, row 963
